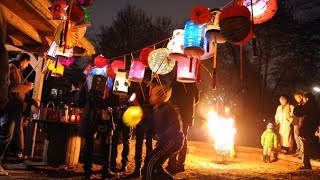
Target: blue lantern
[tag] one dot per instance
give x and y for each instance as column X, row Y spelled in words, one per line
column 193, row 39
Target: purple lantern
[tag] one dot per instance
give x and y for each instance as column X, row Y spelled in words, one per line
column 67, row 62
column 136, row 72
column 187, row 71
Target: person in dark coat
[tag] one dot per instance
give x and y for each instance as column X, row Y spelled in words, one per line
column 168, row 128
column 185, row 96
column 94, row 104
column 309, row 113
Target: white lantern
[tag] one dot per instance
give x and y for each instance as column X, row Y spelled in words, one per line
column 121, row 82
column 51, row 53
column 186, row 71
column 177, row 47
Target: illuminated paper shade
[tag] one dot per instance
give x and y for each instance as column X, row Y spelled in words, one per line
column 121, row 83
column 193, row 39
column 159, row 62
column 51, row 53
column 132, row 116
column 56, row 69
column 117, row 64
column 213, row 28
column 98, row 71
column 136, row 72
column 208, row 47
column 64, row 54
column 186, row 71
column 176, row 49
column 263, row 10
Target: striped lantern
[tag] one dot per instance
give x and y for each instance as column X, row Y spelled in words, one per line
column 136, row 72
column 193, row 39
column 176, row 47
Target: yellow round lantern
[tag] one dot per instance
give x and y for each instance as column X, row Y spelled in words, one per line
column 132, row 116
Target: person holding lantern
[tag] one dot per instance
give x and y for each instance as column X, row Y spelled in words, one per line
column 94, row 105
column 168, row 128
column 284, row 118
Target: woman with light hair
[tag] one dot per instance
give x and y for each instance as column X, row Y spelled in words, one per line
column 6, row 127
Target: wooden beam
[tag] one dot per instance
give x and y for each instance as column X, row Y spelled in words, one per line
column 23, row 26
column 15, row 41
column 83, row 42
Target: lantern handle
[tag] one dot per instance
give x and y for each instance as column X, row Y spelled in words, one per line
column 144, row 96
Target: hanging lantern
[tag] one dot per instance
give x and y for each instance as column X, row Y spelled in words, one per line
column 235, row 24
column 64, row 53
column 176, row 48
column 56, row 68
column 121, row 83
column 51, row 53
column 208, row 49
column 67, row 62
column 117, row 64
column 200, row 15
column 136, row 72
column 85, row 2
column 59, row 10
column 110, row 72
column 97, row 71
column 193, row 39
column 159, row 62
column 144, row 54
column 263, row 10
column 100, row 61
column 213, row 28
column 186, row 71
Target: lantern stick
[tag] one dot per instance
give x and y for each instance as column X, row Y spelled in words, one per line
column 214, row 72
column 241, row 62
column 144, row 96
column 185, row 88
column 254, row 42
column 159, row 80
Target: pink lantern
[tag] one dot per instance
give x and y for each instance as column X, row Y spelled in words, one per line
column 117, row 64
column 187, row 71
column 136, row 72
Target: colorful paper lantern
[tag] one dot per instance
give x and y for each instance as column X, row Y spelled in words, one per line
column 176, row 47
column 67, row 62
column 263, row 10
column 235, row 24
column 200, row 15
column 110, row 72
column 186, row 71
column 56, row 68
column 62, row 53
column 97, row 71
column 159, row 61
column 213, row 28
column 132, row 116
column 117, row 64
column 59, row 10
column 100, row 61
column 85, row 2
column 208, row 47
column 144, row 54
column 121, row 83
column 136, row 72
column 51, row 53
column 193, row 39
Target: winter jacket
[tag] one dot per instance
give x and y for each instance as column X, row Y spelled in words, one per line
column 269, row 139
column 167, row 122
column 284, row 119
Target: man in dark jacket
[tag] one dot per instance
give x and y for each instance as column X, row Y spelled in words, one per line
column 94, row 105
column 310, row 113
column 185, row 96
column 168, row 128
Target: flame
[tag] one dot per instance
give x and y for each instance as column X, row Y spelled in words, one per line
column 222, row 131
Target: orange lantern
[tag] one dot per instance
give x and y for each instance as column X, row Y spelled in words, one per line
column 263, row 10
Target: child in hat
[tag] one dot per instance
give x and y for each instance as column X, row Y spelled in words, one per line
column 269, row 139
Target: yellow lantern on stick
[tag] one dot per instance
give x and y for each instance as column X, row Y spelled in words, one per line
column 56, row 68
column 132, row 116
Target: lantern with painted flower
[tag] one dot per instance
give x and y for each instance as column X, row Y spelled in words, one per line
column 193, row 39
column 186, row 71
column 136, row 72
column 176, row 47
column 56, row 68
column 121, row 82
column 159, row 61
column 263, row 10
column 213, row 28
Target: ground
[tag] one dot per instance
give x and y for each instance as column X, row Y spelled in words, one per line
column 202, row 163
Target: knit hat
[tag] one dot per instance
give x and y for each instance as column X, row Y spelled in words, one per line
column 270, row 126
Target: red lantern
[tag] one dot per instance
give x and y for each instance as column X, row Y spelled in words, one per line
column 117, row 64
column 77, row 13
column 200, row 15
column 144, row 54
column 59, row 10
column 85, row 2
column 110, row 72
column 235, row 24
column 100, row 61
column 263, row 10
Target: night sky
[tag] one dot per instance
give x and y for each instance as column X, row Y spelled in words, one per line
column 102, row 12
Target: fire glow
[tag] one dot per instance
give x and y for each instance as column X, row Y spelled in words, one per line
column 222, row 131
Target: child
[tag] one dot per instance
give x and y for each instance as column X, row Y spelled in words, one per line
column 268, row 140
column 168, row 127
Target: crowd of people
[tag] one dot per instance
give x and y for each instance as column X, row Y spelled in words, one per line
column 301, row 123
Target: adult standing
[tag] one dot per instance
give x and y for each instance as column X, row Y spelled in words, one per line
column 284, row 118
column 6, row 127
column 299, row 97
column 185, row 96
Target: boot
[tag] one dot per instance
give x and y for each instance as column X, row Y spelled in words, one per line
column 108, row 174
column 268, row 159
column 134, row 175
column 264, row 158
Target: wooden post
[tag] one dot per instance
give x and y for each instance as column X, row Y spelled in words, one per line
column 73, row 147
